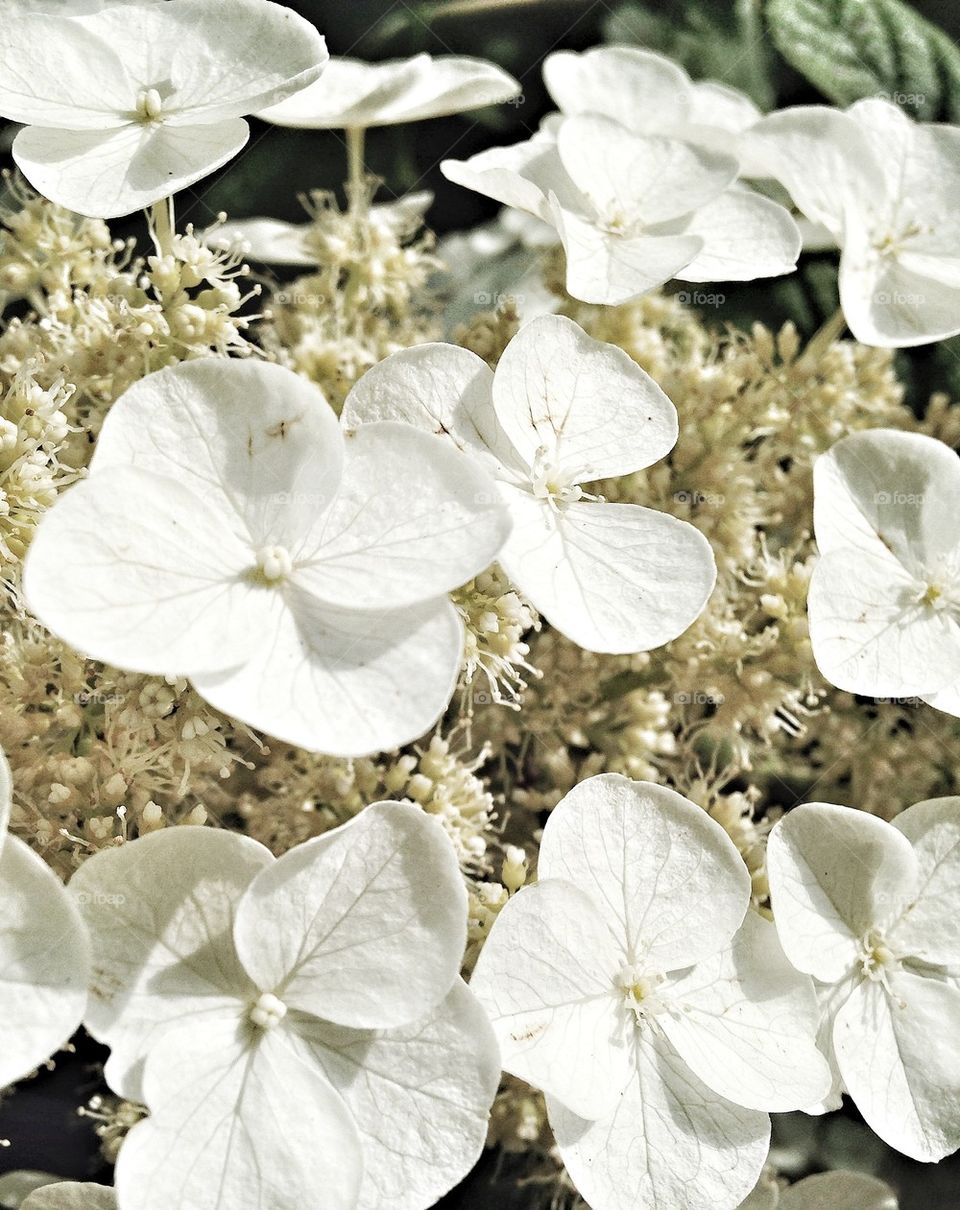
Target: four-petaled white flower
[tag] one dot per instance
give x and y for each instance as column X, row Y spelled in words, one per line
column 656, row 1011
column 634, row 210
column 885, row 187
column 297, row 1028
column 356, row 95
column 884, row 601
column 127, row 101
column 870, row 909
column 561, row 410
column 229, row 532
column 44, row 954
column 649, row 94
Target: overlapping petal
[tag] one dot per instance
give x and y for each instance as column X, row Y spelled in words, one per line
column 927, row 929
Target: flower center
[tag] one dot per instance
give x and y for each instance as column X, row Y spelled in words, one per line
column 268, row 1011
column 640, row 992
column 548, row 482
column 273, row 564
column 893, row 242
column 149, row 105
column 877, row 959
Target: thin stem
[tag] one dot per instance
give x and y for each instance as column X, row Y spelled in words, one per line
column 823, row 338
column 162, row 226
column 356, row 190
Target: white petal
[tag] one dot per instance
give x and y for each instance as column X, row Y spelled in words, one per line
column 441, row 389
column 546, row 977
column 612, row 269
column 522, row 175
column 110, row 173
column 44, row 962
column 893, row 302
column 871, row 633
column 254, row 441
column 745, row 236
column 353, row 93
column 132, row 569
column 665, row 876
column 611, row 577
column 265, row 239
column 71, row 1195
column 888, row 491
column 671, row 1142
column 238, row 1120
column 639, row 177
column 716, row 109
column 822, row 158
column 928, row 927
column 366, row 925
column 838, row 1191
column 899, row 1054
column 641, row 90
column 584, row 404
column 412, row 519
column 58, row 71
column 344, row 682
column 160, row 913
column 420, row 1097
column 834, row 874
column 748, row 1024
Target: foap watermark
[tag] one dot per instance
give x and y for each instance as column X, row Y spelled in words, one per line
column 701, row 298
column 101, row 899
column 489, row 298
column 699, row 499
column 908, row 499
column 698, row 697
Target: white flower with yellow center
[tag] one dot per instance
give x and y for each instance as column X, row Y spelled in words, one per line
column 562, row 410
column 884, row 599
column 885, row 188
column 127, row 101
column 44, row 954
column 634, row 210
column 869, row 909
column 659, row 1015
column 297, row 1027
column 230, row 533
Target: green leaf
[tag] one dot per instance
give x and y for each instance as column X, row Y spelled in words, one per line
column 866, row 48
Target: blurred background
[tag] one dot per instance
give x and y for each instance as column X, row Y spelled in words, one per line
column 740, row 42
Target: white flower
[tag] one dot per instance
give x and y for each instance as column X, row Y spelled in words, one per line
column 885, row 187
column 633, row 211
column 656, row 1012
column 230, row 533
column 353, row 94
column 71, row 1195
column 884, row 600
column 561, row 410
column 870, row 910
column 128, row 101
column 44, row 954
column 648, row 94
column 825, row 1191
column 297, row 1028
column 275, row 242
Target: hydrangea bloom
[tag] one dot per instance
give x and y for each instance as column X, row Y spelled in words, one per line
column 885, row 594
column 885, row 188
column 561, row 410
column 296, row 1027
column 275, row 242
column 648, row 94
column 44, row 954
column 633, row 211
column 230, row 533
column 869, row 909
column 354, row 94
column 128, row 101
column 659, row 1015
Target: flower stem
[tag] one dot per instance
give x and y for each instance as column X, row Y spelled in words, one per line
column 355, row 183
column 162, row 226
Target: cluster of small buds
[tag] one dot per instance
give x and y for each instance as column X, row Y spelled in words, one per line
column 496, row 619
